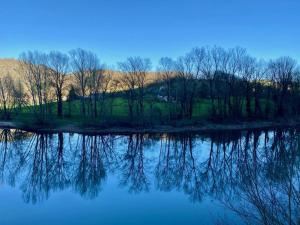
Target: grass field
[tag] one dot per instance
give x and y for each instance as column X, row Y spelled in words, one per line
column 115, row 112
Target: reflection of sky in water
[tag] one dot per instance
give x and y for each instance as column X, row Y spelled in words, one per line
column 150, row 179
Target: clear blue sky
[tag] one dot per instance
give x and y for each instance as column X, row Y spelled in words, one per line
column 115, row 29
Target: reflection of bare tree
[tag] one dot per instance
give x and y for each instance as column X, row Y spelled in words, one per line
column 90, row 171
column 60, row 174
column 177, row 167
column 166, row 178
column 36, row 185
column 133, row 165
column 43, row 163
column 269, row 181
column 11, row 155
column 256, row 174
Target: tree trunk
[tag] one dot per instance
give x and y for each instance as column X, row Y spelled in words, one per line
column 248, row 106
column 59, row 106
column 95, row 106
column 83, row 106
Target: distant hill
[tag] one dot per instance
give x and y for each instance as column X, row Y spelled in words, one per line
column 10, row 66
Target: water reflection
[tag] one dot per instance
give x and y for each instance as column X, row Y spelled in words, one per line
column 255, row 174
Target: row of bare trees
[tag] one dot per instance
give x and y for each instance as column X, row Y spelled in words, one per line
column 236, row 84
column 44, row 73
column 48, row 76
column 11, row 95
column 133, row 79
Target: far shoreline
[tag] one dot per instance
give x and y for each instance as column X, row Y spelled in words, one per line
column 205, row 127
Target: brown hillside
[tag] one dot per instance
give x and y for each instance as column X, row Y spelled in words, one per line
column 12, row 67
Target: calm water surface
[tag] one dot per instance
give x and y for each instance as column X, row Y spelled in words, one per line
column 219, row 178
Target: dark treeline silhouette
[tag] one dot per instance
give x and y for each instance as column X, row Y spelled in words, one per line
column 236, row 84
column 231, row 83
column 254, row 173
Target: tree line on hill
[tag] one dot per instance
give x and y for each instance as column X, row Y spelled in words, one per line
column 237, row 85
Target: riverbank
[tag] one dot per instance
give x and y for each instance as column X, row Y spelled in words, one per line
column 205, row 127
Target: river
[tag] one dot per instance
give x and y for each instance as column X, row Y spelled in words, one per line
column 240, row 177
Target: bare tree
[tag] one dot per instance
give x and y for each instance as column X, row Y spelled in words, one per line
column 295, row 93
column 105, row 87
column 166, row 73
column 27, row 70
column 59, row 67
column 36, row 78
column 20, row 96
column 188, row 69
column 282, row 71
column 235, row 98
column 95, row 81
column 114, row 87
column 133, row 80
column 6, row 95
column 258, row 85
column 84, row 65
column 215, row 71
column 209, row 73
column 247, row 71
